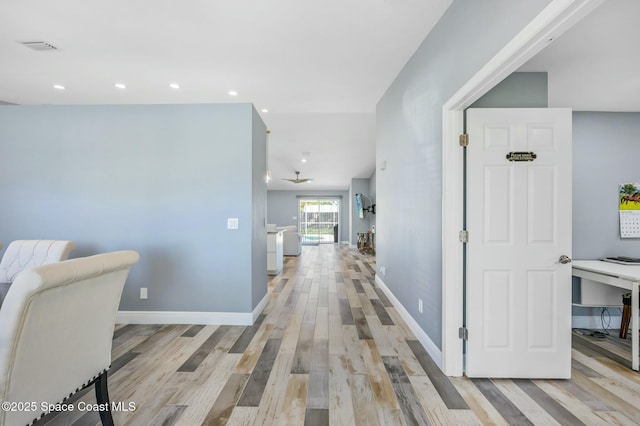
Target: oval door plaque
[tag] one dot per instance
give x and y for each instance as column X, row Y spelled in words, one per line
column 521, row 156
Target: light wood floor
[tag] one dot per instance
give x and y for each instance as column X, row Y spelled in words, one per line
column 330, row 349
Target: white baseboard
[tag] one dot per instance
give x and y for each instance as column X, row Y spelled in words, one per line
column 207, row 318
column 425, row 341
column 175, row 317
column 260, row 307
column 594, row 322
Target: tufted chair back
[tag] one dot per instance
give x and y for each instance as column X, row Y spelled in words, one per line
column 56, row 330
column 26, row 254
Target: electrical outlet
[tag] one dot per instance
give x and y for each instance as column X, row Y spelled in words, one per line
column 143, row 293
column 420, row 305
column 383, row 270
column 232, row 223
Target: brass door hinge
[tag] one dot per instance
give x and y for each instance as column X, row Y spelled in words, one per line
column 464, row 139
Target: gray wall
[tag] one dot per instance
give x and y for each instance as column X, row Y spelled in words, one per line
column 159, row 179
column 518, row 90
column 259, row 206
column 606, row 148
column 358, row 186
column 372, row 195
column 282, row 206
column 409, row 138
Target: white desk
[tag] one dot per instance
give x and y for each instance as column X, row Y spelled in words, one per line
column 623, row 276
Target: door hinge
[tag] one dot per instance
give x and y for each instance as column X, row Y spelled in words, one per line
column 463, row 236
column 464, row 139
column 463, row 333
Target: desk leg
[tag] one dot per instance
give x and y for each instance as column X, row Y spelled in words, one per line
column 634, row 325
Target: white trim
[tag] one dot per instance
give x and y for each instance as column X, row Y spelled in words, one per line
column 555, row 19
column 422, row 337
column 260, row 307
column 175, row 317
column 594, row 322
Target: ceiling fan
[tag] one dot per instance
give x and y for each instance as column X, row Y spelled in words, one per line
column 297, row 179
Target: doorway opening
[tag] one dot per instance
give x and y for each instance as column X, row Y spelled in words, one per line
column 319, row 221
column 556, row 18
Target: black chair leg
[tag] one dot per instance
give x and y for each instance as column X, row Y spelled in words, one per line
column 102, row 396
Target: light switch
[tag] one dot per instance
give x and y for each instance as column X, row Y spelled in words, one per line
column 232, row 223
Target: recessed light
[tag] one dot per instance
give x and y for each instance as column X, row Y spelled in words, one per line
column 233, row 93
column 58, row 87
column 120, row 86
column 264, row 110
column 174, row 85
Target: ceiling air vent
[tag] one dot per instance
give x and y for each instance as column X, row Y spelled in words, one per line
column 39, row 45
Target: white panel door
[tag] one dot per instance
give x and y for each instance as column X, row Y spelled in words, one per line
column 518, row 296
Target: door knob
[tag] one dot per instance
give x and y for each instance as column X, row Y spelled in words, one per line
column 564, row 259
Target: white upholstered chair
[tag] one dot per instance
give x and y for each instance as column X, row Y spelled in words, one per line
column 56, row 328
column 25, row 254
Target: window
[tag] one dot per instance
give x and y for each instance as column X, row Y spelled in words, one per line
column 318, row 220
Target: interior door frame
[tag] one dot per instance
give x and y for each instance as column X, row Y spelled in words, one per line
column 557, row 17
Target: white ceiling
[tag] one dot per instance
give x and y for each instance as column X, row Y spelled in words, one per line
column 595, row 66
column 318, row 67
column 294, row 58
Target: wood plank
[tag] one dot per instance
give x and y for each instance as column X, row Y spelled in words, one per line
column 336, row 337
column 201, row 395
column 578, row 408
column 534, row 412
column 275, row 391
column 616, row 403
column 247, row 335
column 192, row 331
column 551, row 406
column 252, row 353
column 322, row 323
column 340, row 399
column 316, row 417
column 243, row 416
column 502, row 404
column 168, row 416
column 383, row 298
column 227, row 399
column 357, row 285
column 258, row 380
column 364, row 404
column 577, row 393
column 294, row 404
column 413, row 412
column 478, row 403
column 382, row 313
column 366, row 305
column 446, row 390
column 281, row 283
column 191, row 364
column 592, row 348
column 381, row 387
column 318, row 390
column 345, row 312
column 361, row 324
column 302, row 357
